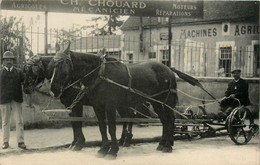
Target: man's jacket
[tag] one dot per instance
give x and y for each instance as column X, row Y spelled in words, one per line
column 240, row 89
column 11, row 85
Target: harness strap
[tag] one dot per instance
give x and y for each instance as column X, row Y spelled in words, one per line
column 165, row 91
column 129, row 77
column 140, row 113
column 142, row 95
column 169, row 92
column 97, row 80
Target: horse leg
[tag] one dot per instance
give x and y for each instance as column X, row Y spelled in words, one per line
column 170, row 119
column 129, row 135
column 124, row 134
column 158, row 109
column 111, row 116
column 79, row 139
column 77, row 128
column 169, row 131
column 74, row 135
column 100, row 113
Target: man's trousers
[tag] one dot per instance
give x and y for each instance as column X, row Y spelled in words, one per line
column 7, row 109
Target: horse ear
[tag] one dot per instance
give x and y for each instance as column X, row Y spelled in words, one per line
column 57, row 47
column 66, row 51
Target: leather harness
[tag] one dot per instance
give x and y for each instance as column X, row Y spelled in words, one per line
column 101, row 77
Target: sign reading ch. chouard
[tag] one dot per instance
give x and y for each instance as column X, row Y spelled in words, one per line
column 153, row 8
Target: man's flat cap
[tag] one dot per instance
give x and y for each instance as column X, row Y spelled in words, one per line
column 236, row 71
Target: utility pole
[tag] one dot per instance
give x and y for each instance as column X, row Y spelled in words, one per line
column 169, row 40
column 141, row 45
column 46, row 34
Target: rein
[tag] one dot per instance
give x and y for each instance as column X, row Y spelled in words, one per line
column 101, row 66
column 79, row 80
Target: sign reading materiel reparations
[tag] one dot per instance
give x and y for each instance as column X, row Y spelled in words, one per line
column 152, row 8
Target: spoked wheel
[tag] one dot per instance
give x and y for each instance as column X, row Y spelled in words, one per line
column 240, row 125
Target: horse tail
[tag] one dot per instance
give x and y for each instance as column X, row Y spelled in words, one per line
column 193, row 81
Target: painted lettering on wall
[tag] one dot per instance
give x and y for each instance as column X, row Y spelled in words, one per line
column 210, row 32
column 246, row 30
column 178, row 10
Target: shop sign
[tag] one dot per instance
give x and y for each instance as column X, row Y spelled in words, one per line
column 152, row 8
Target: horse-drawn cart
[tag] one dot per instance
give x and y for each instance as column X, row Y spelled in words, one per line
column 239, row 125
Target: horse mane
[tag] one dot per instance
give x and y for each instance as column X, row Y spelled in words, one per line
column 46, row 59
column 90, row 56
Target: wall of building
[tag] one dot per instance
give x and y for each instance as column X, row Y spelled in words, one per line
column 195, row 46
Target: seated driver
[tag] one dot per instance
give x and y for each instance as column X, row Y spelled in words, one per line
column 237, row 88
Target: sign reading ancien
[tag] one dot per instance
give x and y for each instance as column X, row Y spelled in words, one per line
column 152, row 8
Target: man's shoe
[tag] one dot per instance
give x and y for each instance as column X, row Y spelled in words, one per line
column 22, row 145
column 5, row 145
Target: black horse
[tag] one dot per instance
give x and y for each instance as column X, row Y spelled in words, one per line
column 38, row 68
column 151, row 78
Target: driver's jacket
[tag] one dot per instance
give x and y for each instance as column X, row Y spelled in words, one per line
column 240, row 89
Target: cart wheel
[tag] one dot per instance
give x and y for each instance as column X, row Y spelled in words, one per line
column 240, row 125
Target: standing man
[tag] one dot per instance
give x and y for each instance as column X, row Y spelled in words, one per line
column 11, row 98
column 237, row 88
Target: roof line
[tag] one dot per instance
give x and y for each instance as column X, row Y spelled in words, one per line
column 136, row 27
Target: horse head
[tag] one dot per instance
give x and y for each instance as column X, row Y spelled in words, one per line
column 62, row 71
column 34, row 72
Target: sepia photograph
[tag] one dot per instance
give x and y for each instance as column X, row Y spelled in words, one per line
column 129, row 82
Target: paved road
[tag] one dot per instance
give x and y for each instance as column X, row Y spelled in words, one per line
column 217, row 150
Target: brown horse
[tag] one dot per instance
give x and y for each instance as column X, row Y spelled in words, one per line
column 151, row 78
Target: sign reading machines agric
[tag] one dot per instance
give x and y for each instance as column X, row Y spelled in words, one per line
column 152, row 8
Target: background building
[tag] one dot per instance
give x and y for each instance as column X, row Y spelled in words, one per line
column 225, row 39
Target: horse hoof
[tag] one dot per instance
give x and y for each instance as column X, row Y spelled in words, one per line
column 120, row 142
column 102, row 152
column 77, row 147
column 167, row 150
column 101, row 155
column 111, row 156
column 159, row 148
column 71, row 146
column 126, row 144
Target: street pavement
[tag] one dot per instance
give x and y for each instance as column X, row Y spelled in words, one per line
column 43, row 148
column 51, row 138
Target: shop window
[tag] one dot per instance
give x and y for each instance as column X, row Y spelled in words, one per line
column 114, row 54
column 165, row 57
column 163, row 20
column 130, row 57
column 225, row 59
column 152, row 55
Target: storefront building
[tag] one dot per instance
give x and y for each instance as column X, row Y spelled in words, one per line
column 226, row 38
